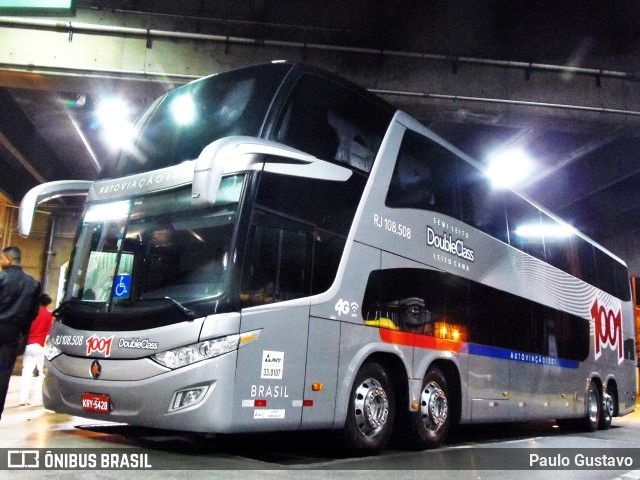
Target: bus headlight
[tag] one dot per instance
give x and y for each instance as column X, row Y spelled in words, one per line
column 196, row 352
column 51, row 351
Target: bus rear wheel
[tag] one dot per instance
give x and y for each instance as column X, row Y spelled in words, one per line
column 428, row 427
column 591, row 421
column 609, row 400
column 371, row 410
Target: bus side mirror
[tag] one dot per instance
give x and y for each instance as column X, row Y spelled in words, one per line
column 44, row 192
column 212, row 163
column 237, row 154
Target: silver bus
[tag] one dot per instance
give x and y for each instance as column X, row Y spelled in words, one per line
column 278, row 249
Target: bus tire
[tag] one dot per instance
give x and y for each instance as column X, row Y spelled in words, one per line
column 428, row 427
column 371, row 409
column 608, row 410
column 591, row 421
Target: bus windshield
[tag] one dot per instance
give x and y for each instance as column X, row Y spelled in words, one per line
column 155, row 247
column 184, row 121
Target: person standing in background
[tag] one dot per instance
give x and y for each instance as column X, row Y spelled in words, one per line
column 34, row 353
column 19, row 295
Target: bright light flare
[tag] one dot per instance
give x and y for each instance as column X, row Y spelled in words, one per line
column 107, row 211
column 114, row 116
column 546, row 231
column 509, row 168
column 183, row 109
column 443, row 331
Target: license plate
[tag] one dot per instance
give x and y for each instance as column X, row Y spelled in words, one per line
column 93, row 402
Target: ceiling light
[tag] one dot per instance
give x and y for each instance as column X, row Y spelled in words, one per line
column 544, row 230
column 509, row 168
column 73, row 100
column 114, row 116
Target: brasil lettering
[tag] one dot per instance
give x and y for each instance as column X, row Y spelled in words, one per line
column 269, row 391
column 608, row 330
column 446, row 243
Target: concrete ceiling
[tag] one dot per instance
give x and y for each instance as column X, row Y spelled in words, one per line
column 555, row 80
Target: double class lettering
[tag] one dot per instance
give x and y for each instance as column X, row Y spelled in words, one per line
column 448, row 244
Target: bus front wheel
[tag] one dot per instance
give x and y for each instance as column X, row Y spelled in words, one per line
column 428, row 427
column 371, row 409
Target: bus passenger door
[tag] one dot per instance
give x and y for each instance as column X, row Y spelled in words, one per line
column 275, row 280
column 320, row 389
column 270, row 371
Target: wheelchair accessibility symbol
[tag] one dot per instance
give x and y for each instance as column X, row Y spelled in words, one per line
column 122, row 286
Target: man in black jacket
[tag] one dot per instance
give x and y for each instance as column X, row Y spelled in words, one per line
column 19, row 295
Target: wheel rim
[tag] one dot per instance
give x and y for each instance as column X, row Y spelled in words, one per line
column 434, row 407
column 371, row 407
column 593, row 406
column 608, row 405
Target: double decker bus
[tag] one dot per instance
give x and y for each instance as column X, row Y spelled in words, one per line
column 279, row 250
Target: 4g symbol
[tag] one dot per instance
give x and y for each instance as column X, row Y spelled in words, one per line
column 343, row 307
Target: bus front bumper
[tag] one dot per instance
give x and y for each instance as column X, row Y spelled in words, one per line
column 159, row 401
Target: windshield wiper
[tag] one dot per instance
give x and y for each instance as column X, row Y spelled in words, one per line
column 187, row 312
column 98, row 307
column 62, row 308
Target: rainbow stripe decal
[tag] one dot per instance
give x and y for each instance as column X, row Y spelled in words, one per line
column 421, row 341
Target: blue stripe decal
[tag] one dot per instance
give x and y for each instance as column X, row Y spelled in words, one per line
column 533, row 358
